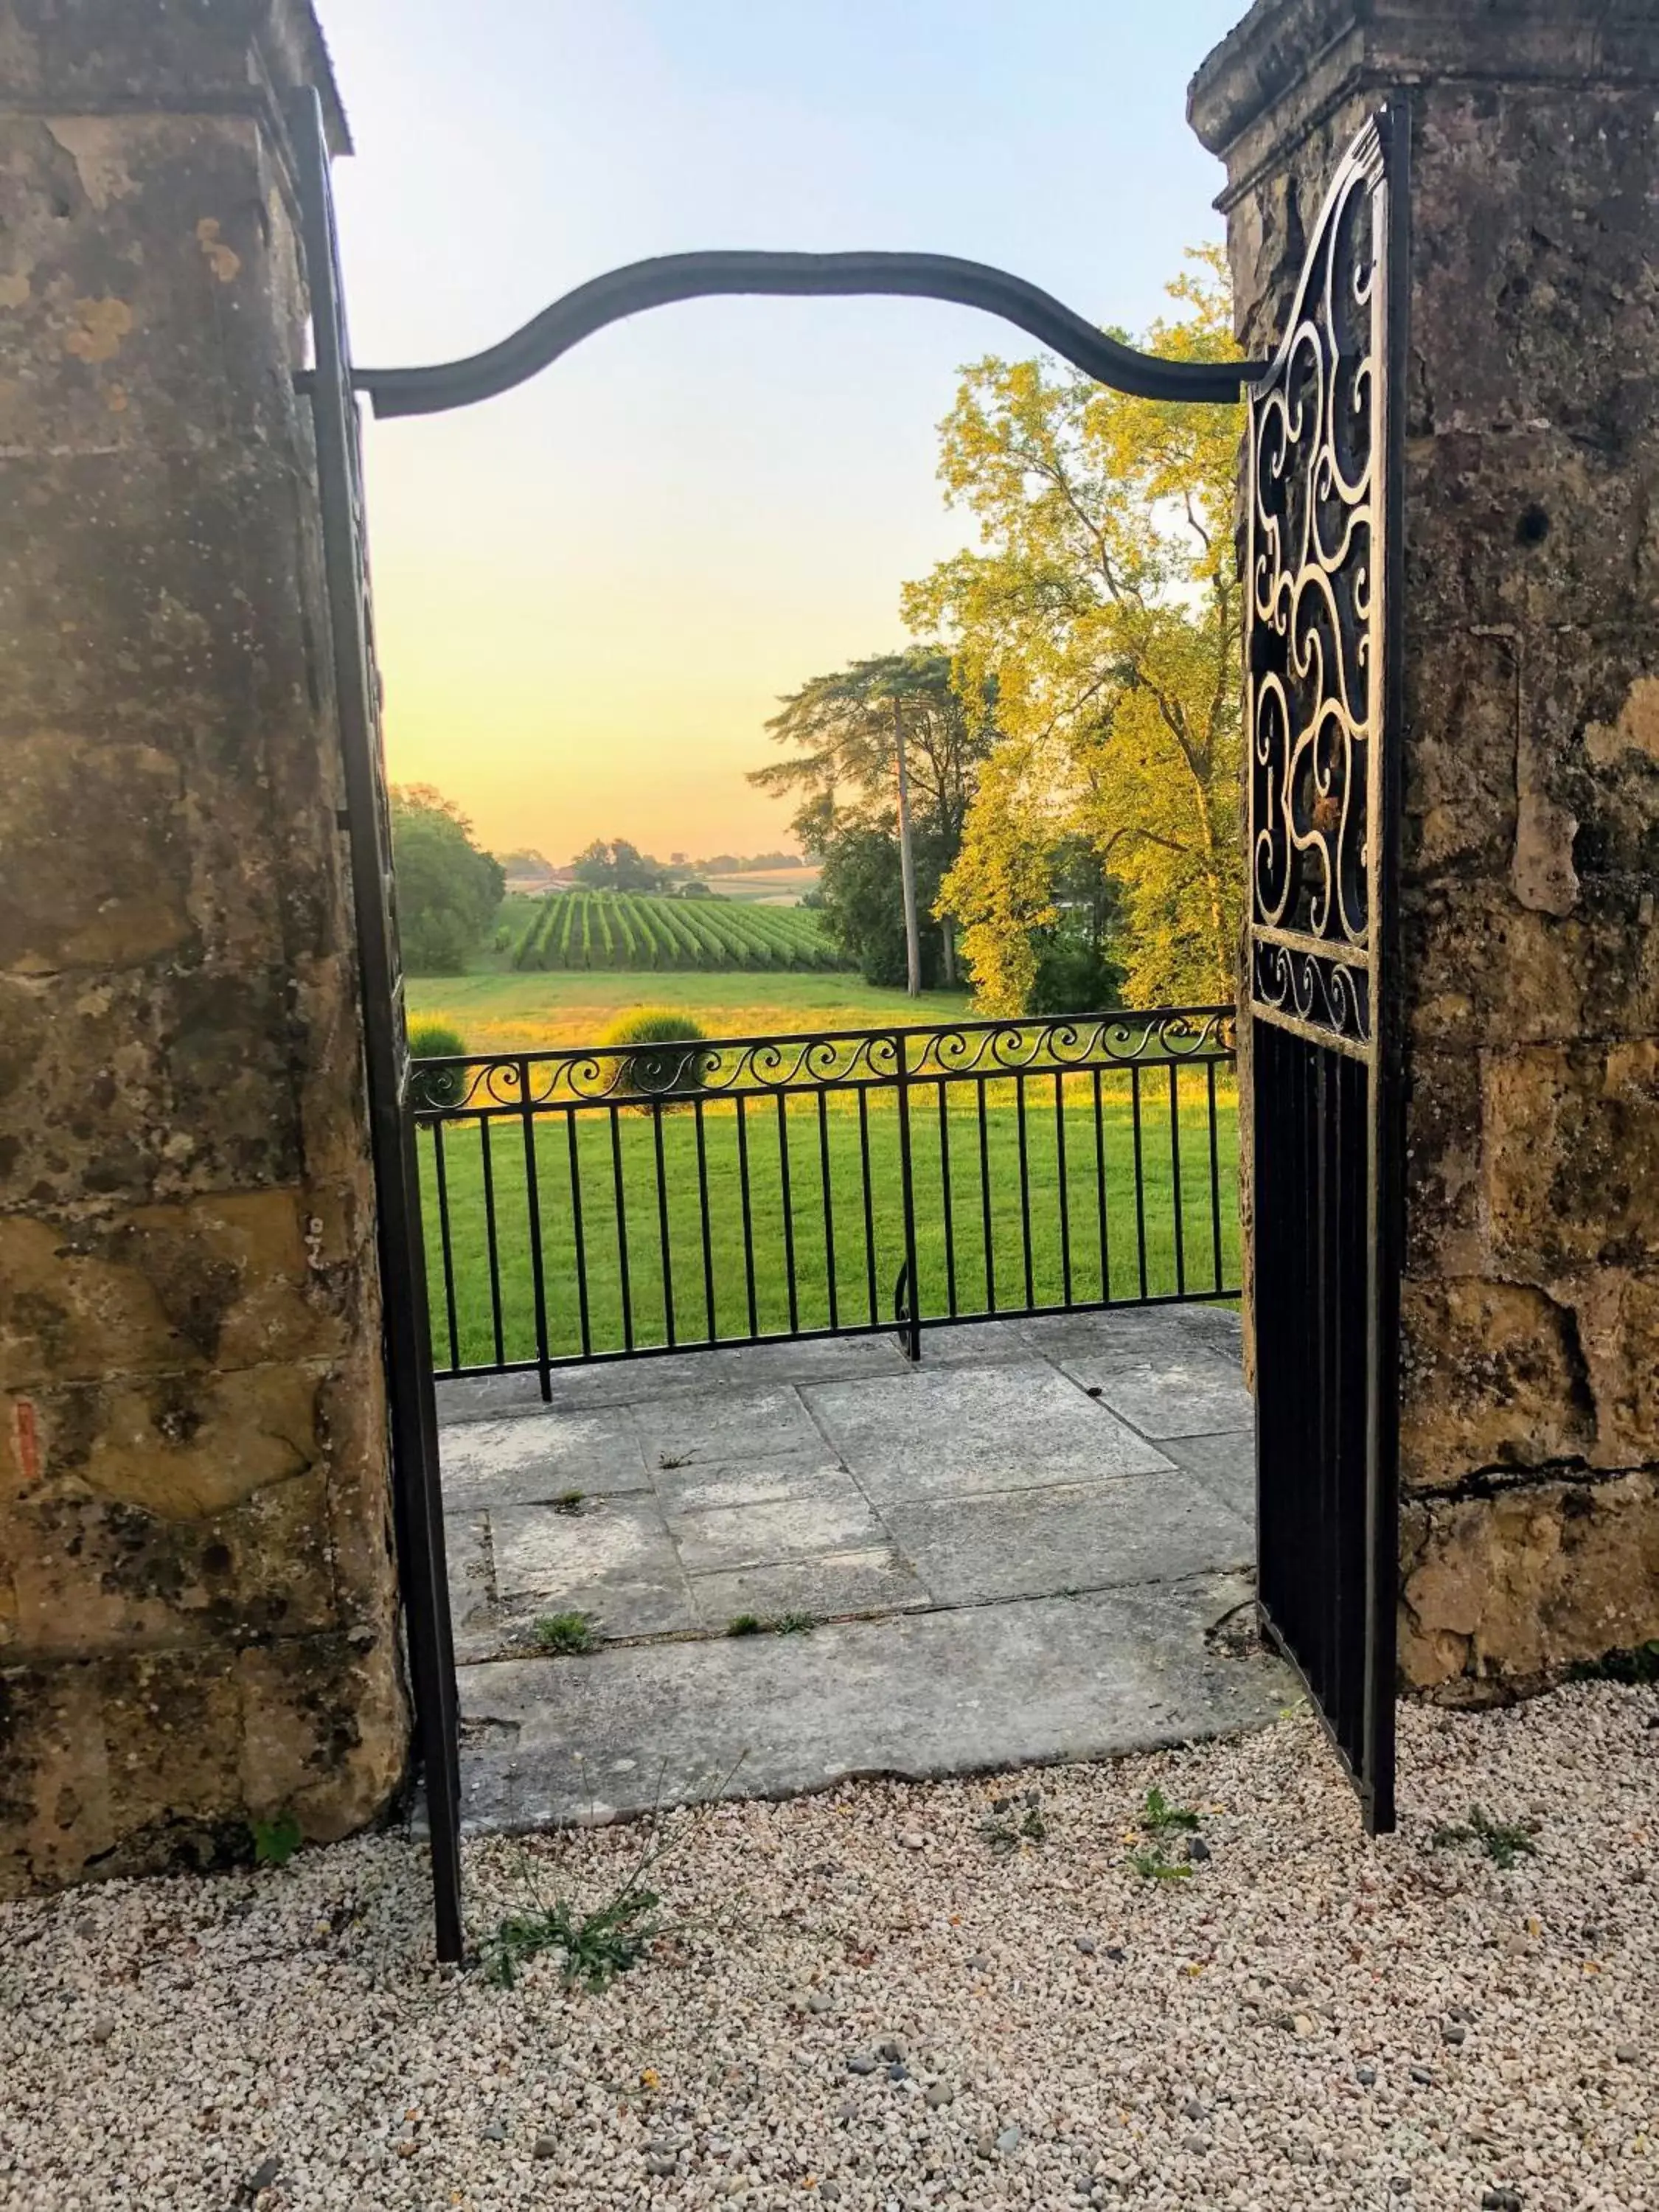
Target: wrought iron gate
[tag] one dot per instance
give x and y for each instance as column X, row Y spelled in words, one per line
column 411, row 1407
column 1322, row 631
column 1323, row 638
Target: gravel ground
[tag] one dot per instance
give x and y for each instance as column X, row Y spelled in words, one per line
column 861, row 1999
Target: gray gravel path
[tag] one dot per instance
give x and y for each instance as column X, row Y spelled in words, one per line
column 863, row 2003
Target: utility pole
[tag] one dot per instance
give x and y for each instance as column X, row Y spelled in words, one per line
column 907, row 859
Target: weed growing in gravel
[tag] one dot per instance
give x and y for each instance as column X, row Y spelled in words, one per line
column 1157, row 1814
column 569, row 1501
column 674, row 1459
column 1009, row 1829
column 1152, row 1866
column 565, row 1634
column 745, row 1624
column 597, row 1946
column 275, row 1842
column 796, row 1624
column 1501, row 1840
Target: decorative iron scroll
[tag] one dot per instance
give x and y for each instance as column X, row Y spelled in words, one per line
column 856, row 1059
column 1315, row 617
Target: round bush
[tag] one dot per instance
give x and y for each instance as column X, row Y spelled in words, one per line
column 667, row 1074
column 436, row 1087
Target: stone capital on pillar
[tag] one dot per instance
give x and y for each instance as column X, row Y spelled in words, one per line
column 1531, row 830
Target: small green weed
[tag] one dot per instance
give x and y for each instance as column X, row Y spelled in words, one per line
column 795, row 1624
column 745, row 1624
column 674, row 1459
column 1158, row 1815
column 569, row 1501
column 565, row 1634
column 1152, row 1866
column 1009, row 1829
column 597, row 1946
column 1502, row 1841
column 275, row 1842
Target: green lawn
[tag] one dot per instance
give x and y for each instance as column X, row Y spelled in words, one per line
column 658, row 1165
column 503, row 1012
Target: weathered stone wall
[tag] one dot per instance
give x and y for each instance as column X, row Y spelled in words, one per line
column 1530, row 1405
column 198, row 1602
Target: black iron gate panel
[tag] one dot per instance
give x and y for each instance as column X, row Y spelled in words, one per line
column 1323, row 629
column 411, row 1406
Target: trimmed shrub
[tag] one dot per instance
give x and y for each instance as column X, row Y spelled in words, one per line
column 436, row 1087
column 665, row 1071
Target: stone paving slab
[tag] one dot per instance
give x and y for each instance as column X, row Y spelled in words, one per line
column 959, row 1431
column 1226, row 1463
column 833, row 1515
column 917, row 1695
column 761, row 1481
column 615, row 1560
column 471, row 1606
column 827, row 1586
column 1196, row 1396
column 520, row 1462
column 1032, row 1543
column 722, row 1425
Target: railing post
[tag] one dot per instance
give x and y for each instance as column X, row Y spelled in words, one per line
column 911, row 1337
column 532, row 1202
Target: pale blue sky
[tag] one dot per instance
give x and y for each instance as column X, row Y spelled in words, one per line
column 591, row 592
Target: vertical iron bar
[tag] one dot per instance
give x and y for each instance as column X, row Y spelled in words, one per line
column 829, row 1208
column 1025, row 1189
column 788, row 1214
column 708, row 1244
column 869, row 1207
column 576, row 1221
column 1215, row 1175
column 622, row 1228
column 492, row 1248
column 1174, row 1181
column 985, row 1198
column 662, row 1224
column 444, row 1245
column 411, row 1404
column 913, row 1333
column 533, row 1204
column 1065, row 1196
column 1100, row 1185
column 945, row 1187
column 1140, row 1179
column 748, row 1215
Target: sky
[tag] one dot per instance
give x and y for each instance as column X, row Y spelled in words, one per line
column 591, row 593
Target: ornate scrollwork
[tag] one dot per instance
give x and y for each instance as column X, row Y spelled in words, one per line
column 638, row 1074
column 1315, row 612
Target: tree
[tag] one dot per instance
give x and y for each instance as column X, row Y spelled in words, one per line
column 843, row 729
column 617, row 865
column 449, row 888
column 1105, row 614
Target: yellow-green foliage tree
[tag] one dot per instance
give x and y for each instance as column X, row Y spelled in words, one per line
column 1102, row 613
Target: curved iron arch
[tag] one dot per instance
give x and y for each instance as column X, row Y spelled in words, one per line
column 657, row 283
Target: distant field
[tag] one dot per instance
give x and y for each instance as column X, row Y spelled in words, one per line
column 582, row 931
column 767, row 887
column 537, row 1012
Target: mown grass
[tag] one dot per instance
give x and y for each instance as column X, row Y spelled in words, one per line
column 506, row 1012
column 631, row 1182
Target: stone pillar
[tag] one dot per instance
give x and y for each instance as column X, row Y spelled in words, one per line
column 1530, row 1405
column 198, row 1589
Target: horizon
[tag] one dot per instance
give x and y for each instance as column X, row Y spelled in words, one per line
column 591, row 593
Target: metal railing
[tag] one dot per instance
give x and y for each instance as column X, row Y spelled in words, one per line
column 619, row 1201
